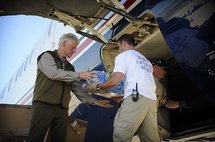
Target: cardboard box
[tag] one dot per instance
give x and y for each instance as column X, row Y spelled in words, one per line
column 76, row 130
column 14, row 122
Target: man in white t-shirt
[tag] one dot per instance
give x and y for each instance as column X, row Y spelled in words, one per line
column 138, row 111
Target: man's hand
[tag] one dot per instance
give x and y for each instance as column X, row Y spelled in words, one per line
column 86, row 75
column 184, row 105
column 117, row 98
column 103, row 103
column 91, row 88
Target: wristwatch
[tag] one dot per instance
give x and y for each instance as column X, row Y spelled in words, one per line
column 98, row 88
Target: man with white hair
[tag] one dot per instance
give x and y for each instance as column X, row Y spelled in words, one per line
column 56, row 77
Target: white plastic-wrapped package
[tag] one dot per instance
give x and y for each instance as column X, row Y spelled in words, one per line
column 101, row 77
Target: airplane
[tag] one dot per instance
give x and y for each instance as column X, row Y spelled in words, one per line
column 181, row 32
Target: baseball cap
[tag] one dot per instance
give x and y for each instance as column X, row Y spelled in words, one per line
column 160, row 62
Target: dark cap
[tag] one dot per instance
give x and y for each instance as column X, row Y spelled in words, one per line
column 160, row 62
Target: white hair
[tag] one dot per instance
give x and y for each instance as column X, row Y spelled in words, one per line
column 68, row 36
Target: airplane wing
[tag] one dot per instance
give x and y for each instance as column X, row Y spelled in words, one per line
column 44, row 8
column 146, row 32
column 80, row 14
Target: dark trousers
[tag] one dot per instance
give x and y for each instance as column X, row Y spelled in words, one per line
column 44, row 117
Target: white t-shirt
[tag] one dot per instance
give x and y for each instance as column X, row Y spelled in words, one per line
column 137, row 69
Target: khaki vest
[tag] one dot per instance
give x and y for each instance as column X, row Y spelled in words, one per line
column 51, row 91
